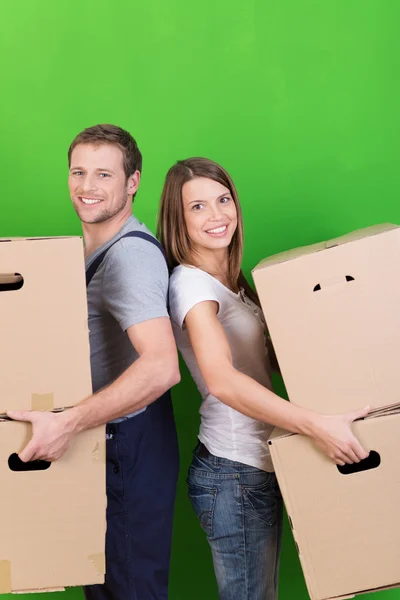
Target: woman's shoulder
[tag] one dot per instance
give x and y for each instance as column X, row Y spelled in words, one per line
column 183, row 275
column 189, row 286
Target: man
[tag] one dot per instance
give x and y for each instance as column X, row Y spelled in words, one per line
column 134, row 364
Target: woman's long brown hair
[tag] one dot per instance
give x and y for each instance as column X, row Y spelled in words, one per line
column 171, row 227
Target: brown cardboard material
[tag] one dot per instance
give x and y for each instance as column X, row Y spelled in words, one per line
column 56, row 517
column 332, row 310
column 5, row 577
column 99, row 562
column 52, row 534
column 43, row 325
column 42, row 402
column 47, row 590
column 333, row 314
column 346, row 527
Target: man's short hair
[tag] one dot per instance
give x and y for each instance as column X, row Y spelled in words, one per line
column 111, row 134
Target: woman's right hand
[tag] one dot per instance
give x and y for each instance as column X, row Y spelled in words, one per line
column 334, row 436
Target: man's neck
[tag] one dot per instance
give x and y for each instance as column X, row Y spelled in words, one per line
column 97, row 234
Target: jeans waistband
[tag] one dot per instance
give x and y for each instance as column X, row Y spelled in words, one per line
column 202, row 451
column 165, row 398
column 130, row 416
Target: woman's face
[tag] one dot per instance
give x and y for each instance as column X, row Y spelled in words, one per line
column 210, row 213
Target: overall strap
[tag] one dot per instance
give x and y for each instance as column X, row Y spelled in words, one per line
column 91, row 270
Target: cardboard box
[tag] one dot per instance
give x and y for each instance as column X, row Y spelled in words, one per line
column 44, row 350
column 332, row 310
column 52, row 532
column 346, row 526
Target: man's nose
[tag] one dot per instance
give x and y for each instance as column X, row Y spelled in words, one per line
column 89, row 182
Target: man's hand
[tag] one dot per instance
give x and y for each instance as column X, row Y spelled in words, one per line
column 51, row 434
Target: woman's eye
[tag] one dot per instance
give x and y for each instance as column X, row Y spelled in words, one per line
column 224, row 200
column 197, row 206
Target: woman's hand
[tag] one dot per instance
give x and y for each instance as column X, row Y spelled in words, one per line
column 333, row 435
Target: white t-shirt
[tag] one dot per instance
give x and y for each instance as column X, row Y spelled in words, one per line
column 225, row 432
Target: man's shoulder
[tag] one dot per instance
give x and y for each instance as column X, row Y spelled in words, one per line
column 133, row 240
column 134, row 225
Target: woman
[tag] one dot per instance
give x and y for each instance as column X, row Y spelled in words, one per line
column 222, row 336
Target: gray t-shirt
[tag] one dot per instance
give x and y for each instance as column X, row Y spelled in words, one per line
column 129, row 287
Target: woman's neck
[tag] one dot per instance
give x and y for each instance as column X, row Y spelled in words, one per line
column 215, row 263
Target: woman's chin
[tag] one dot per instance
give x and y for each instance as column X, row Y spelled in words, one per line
column 216, row 243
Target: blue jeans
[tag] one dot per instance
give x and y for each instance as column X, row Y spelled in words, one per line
column 240, row 509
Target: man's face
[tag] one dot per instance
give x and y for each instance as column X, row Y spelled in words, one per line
column 97, row 182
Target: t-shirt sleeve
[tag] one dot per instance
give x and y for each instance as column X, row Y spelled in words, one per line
column 135, row 282
column 188, row 288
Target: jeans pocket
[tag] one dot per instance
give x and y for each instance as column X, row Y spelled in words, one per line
column 203, row 501
column 262, row 502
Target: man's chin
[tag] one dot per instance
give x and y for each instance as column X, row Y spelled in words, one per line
column 97, row 215
column 92, row 219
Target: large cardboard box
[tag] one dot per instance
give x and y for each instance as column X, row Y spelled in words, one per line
column 332, row 310
column 44, row 350
column 52, row 531
column 346, row 524
column 333, row 314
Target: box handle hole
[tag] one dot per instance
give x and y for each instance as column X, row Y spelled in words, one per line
column 16, row 464
column 371, row 462
column 317, row 287
column 9, row 282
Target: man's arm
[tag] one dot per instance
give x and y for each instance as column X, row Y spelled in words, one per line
column 153, row 373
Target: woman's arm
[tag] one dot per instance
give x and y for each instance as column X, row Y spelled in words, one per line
column 331, row 433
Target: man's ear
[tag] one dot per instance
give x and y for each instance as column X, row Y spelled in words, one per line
column 133, row 182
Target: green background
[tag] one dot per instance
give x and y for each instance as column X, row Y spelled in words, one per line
column 298, row 99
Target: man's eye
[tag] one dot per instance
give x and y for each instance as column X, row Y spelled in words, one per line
column 104, row 175
column 77, row 173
